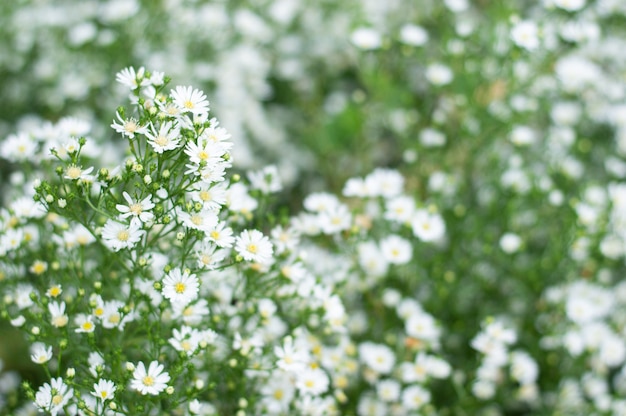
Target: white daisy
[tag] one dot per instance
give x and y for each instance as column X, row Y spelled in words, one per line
column 166, row 138
column 151, row 381
column 40, row 353
column 252, row 245
column 191, row 100
column 128, row 127
column 180, row 287
column 138, row 211
column 104, row 390
column 117, row 236
column 53, row 397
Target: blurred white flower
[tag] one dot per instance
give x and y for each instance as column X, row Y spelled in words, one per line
column 366, row 38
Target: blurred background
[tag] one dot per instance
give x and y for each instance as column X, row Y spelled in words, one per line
column 501, row 125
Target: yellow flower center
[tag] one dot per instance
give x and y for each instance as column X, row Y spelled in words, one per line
column 87, row 326
column 104, row 394
column 162, row 141
column 278, row 394
column 189, row 104
column 39, row 267
column 148, row 381
column 136, row 209
column 309, row 383
column 54, row 291
column 59, row 321
column 130, row 126
column 196, row 219
column 98, row 311
column 185, row 345
column 203, row 155
column 73, row 172
column 180, row 287
column 205, row 195
column 114, row 318
column 252, row 248
column 215, row 235
column 123, row 235
column 57, row 399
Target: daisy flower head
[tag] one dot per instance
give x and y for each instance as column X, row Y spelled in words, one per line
column 117, row 236
column 253, row 246
column 221, row 235
column 128, row 127
column 378, row 357
column 212, row 198
column 40, row 353
column 166, row 138
column 53, row 397
column 138, row 211
column 190, row 100
column 396, row 249
column 75, row 172
column 149, row 381
column 366, row 38
column 427, row 227
column 266, row 180
column 312, row 381
column 104, row 390
column 131, row 78
column 58, row 318
column 525, row 34
column 84, row 323
column 180, row 287
column 204, row 220
column 204, row 151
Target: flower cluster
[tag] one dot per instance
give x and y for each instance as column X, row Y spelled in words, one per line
column 402, row 209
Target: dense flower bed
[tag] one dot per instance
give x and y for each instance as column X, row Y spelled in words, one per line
column 372, row 208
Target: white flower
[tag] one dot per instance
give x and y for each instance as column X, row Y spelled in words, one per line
column 252, row 245
column 439, row 74
column 221, row 235
column 388, row 390
column 366, row 38
column 40, row 353
column 427, row 227
column 104, row 390
column 570, row 5
column 266, row 180
column 84, row 323
column 525, row 34
column 396, row 249
column 186, row 340
column 137, row 210
column 58, row 318
column 74, row 172
column 191, row 100
column 54, row 396
column 180, row 288
column 132, row 79
column 413, row 35
column 414, row 397
column 153, row 381
column 128, row 127
column 422, row 326
column 387, row 183
column 204, row 151
column 167, row 138
column 117, row 236
column 313, row 381
column 203, row 220
column 378, row 357
column 523, row 368
column 510, row 243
